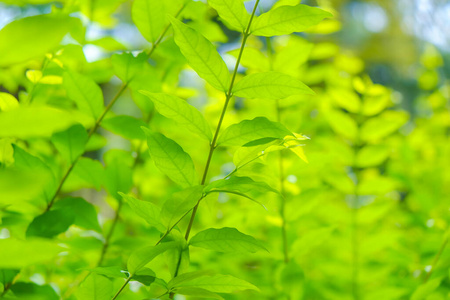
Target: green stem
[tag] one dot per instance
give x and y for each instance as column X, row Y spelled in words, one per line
column 110, row 233
column 283, row 195
column 90, row 134
column 437, row 257
column 228, row 96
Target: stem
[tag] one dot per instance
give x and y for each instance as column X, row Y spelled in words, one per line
column 91, row 132
column 110, row 233
column 163, row 33
column 354, row 225
column 213, row 145
column 283, row 195
column 122, row 287
column 437, row 257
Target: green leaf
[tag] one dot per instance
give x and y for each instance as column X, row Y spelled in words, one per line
column 51, row 223
column 180, row 203
column 251, row 130
column 342, row 123
column 95, row 287
column 33, row 291
column 126, row 66
column 22, row 39
column 180, row 111
column 233, row 12
column 171, row 159
column 346, row 99
column 149, row 17
column 85, row 213
column 425, row 289
column 17, row 253
column 125, row 126
column 8, row 102
column 71, row 142
column 270, row 85
column 239, row 184
column 84, row 92
column 217, row 284
column 146, row 210
column 201, row 55
column 111, row 272
column 311, row 240
column 372, row 155
column 288, row 19
column 383, row 125
column 37, row 121
column 139, row 258
column 198, row 293
column 118, row 174
column 226, row 240
column 144, row 276
column 87, row 173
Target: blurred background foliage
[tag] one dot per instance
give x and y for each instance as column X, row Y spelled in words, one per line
column 367, row 218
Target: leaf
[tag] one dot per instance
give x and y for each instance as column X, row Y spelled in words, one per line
column 17, row 253
column 146, row 210
column 217, row 284
column 198, row 293
column 179, row 204
column 346, row 99
column 149, row 17
column 84, row 92
column 226, row 240
column 251, row 130
column 37, row 121
column 125, row 126
column 139, row 258
column 171, row 159
column 288, row 19
column 201, row 55
column 51, row 223
column 118, row 174
column 383, row 125
column 244, row 185
column 89, row 172
column 233, row 12
column 270, row 85
column 111, row 272
column 311, row 240
column 126, row 66
column 144, row 276
column 22, row 39
column 33, row 291
column 425, row 289
column 95, row 287
column 180, row 111
column 342, row 123
column 85, row 213
column 71, row 142
column 8, row 102
column 372, row 155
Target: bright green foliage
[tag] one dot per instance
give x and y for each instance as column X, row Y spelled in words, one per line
column 171, row 159
column 225, row 240
column 216, row 283
column 252, row 130
column 233, row 12
column 84, row 92
column 288, row 19
column 22, row 39
column 181, row 112
column 149, row 17
column 143, row 256
column 201, row 55
column 71, row 142
column 271, row 85
column 289, row 175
